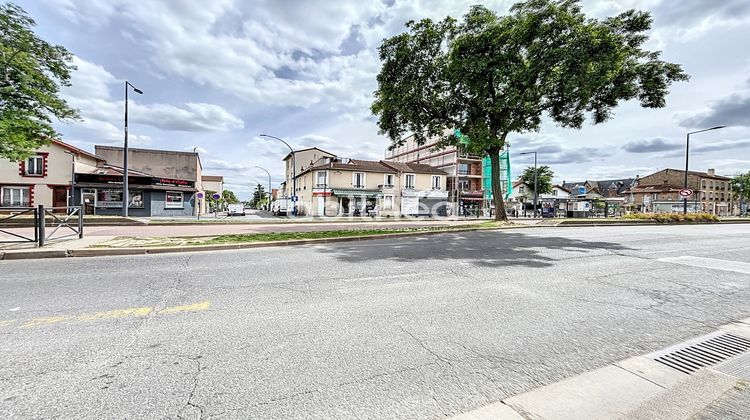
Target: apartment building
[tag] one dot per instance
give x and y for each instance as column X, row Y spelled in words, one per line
column 333, row 186
column 296, row 163
column 45, row 177
column 659, row 192
column 464, row 170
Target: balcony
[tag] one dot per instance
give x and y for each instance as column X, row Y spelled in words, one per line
column 358, row 186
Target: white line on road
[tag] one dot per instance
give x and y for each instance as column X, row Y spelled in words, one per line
column 395, row 276
column 711, row 263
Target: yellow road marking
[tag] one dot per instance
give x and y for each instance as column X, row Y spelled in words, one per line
column 113, row 314
column 117, row 313
column 186, row 308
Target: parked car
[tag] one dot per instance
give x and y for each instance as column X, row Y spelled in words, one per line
column 236, row 209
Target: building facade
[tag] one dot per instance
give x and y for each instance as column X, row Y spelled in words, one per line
column 335, row 186
column 45, row 177
column 464, row 170
column 176, row 169
column 659, row 192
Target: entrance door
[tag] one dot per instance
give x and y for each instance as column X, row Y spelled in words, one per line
column 88, row 199
column 321, row 206
column 60, row 198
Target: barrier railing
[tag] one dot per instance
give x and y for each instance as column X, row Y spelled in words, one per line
column 38, row 219
column 17, row 217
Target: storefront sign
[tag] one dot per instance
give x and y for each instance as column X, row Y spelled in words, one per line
column 113, row 199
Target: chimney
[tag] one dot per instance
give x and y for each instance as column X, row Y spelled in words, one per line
column 711, row 172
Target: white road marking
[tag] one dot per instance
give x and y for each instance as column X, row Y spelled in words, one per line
column 15, row 309
column 711, row 263
column 393, row 276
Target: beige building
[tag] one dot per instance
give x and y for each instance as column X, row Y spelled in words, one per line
column 333, row 186
column 45, row 177
column 303, row 158
column 213, row 183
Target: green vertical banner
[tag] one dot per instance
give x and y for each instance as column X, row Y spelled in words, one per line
column 505, row 179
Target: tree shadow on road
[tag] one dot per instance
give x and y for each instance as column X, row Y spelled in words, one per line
column 484, row 249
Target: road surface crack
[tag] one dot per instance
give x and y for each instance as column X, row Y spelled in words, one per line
column 190, row 402
column 424, row 346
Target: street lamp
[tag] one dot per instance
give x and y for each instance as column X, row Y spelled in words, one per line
column 269, row 184
column 294, row 171
column 125, row 191
column 687, row 154
column 536, row 194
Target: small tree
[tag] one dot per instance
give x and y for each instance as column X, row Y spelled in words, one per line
column 741, row 186
column 31, row 73
column 489, row 76
column 543, row 178
column 229, row 197
column 258, row 197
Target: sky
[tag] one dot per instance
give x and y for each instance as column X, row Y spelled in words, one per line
column 216, row 74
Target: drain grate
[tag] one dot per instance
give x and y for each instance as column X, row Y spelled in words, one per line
column 701, row 352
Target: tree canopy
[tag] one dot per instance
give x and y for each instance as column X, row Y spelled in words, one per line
column 490, row 75
column 258, row 198
column 31, row 73
column 741, row 185
column 229, row 197
column 543, row 178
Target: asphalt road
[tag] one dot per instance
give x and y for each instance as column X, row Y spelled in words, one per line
column 418, row 328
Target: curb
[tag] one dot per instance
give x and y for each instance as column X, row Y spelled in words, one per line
column 99, row 252
column 634, row 388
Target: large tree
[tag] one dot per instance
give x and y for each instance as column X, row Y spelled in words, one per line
column 31, row 73
column 489, row 76
column 229, row 197
column 543, row 178
column 741, row 186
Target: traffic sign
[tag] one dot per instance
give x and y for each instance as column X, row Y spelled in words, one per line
column 294, row 199
column 199, row 195
column 685, row 192
column 216, row 196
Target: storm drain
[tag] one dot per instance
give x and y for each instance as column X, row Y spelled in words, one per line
column 701, row 352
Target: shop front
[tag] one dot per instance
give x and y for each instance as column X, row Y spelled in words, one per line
column 356, row 202
column 102, row 194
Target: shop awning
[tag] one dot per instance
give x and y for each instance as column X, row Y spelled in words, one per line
column 347, row 192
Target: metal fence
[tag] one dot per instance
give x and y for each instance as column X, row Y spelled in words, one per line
column 44, row 224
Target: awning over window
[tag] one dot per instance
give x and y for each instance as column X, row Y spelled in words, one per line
column 347, row 192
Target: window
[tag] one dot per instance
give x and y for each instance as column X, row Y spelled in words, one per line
column 436, row 182
column 15, row 197
column 409, row 181
column 388, row 180
column 359, row 180
column 35, row 165
column 321, row 183
column 387, row 202
column 463, row 169
column 174, row 200
column 520, row 188
column 554, row 192
column 463, row 184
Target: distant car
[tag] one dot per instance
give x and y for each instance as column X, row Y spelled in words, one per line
column 236, row 210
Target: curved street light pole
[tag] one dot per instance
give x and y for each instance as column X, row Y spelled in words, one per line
column 687, row 154
column 536, row 194
column 125, row 191
column 294, row 171
column 269, row 184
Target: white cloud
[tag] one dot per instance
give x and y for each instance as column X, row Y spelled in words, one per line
column 89, row 91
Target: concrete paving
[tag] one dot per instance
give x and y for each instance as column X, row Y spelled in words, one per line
column 415, row 328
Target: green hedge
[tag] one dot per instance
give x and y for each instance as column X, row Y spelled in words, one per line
column 673, row 217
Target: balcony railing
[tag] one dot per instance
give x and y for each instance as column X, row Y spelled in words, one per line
column 358, row 186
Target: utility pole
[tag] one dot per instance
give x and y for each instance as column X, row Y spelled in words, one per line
column 125, row 191
column 687, row 154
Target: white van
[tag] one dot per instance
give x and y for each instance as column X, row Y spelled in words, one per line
column 236, row 209
column 281, row 207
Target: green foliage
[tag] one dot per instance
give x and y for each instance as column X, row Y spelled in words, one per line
column 673, row 217
column 31, row 73
column 741, row 183
column 491, row 75
column 229, row 197
column 543, row 178
column 258, row 197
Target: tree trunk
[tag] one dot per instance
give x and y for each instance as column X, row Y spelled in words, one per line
column 497, row 189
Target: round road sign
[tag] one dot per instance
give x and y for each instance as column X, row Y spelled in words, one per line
column 685, row 192
column 216, row 196
column 199, row 195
